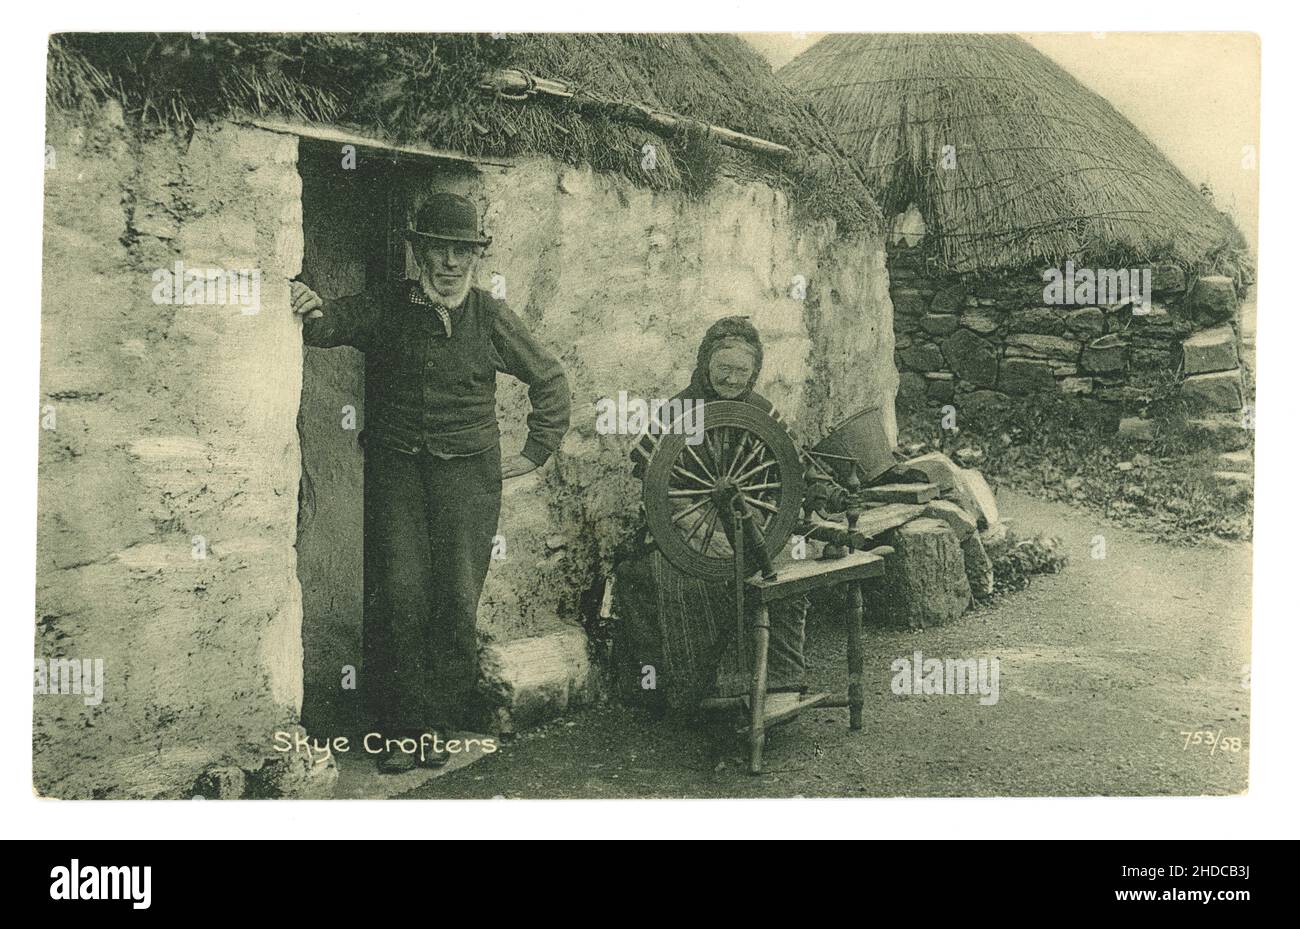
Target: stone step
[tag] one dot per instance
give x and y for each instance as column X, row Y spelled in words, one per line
column 1225, row 432
column 1234, row 483
column 1238, row 462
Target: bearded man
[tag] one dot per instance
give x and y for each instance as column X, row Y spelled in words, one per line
column 433, row 465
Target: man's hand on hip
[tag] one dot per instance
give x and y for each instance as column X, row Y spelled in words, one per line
column 305, row 301
column 516, row 466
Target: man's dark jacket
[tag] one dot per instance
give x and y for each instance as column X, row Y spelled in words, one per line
column 425, row 390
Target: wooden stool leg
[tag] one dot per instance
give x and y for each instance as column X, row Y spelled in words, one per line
column 853, row 623
column 758, row 688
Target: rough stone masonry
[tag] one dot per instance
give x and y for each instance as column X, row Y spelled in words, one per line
column 989, row 336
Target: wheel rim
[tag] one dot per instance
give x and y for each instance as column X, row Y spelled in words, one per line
column 740, row 445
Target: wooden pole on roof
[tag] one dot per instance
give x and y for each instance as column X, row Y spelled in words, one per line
column 518, row 85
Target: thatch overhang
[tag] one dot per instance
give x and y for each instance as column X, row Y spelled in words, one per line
column 425, row 89
column 1012, row 162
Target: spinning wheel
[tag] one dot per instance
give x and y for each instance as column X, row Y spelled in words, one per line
column 745, row 462
column 734, row 496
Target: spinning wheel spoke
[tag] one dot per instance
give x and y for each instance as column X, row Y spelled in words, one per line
column 715, row 444
column 692, row 476
column 761, row 504
column 679, row 515
column 703, row 519
column 754, row 470
column 768, row 486
column 708, row 472
column 690, row 493
column 708, row 533
column 741, row 465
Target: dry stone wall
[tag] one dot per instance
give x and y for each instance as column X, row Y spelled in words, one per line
column 956, row 337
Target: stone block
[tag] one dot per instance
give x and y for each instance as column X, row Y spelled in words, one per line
column 530, row 680
column 1212, row 300
column 937, row 467
column 1239, row 462
column 1136, row 429
column 1234, row 483
column 948, row 299
column 1167, row 279
column 907, row 301
column 1104, row 359
column 1042, row 320
column 959, row 521
column 1209, row 351
column 1075, row 385
column 1150, row 359
column 983, row 323
column 939, row 386
column 938, row 323
column 973, row 359
column 985, row 506
column 1026, row 375
column 1222, row 431
column 925, row 581
column 1046, row 346
column 1219, row 390
column 1086, row 322
column 979, row 567
column 923, row 356
column 911, row 386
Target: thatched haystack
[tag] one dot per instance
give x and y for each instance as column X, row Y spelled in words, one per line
column 1041, row 168
column 999, row 167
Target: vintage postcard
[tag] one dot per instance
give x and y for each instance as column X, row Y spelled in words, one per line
column 646, row 415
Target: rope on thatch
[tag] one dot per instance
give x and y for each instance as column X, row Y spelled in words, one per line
column 516, row 84
column 1045, row 168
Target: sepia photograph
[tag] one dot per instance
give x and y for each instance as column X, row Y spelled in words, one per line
column 646, row 415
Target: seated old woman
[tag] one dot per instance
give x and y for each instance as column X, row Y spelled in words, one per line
column 676, row 640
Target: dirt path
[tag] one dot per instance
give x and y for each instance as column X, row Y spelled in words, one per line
column 1103, row 670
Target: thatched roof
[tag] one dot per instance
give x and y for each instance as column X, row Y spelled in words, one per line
column 1045, row 168
column 424, row 88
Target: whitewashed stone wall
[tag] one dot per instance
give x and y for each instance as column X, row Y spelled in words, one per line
column 179, row 422
column 171, row 423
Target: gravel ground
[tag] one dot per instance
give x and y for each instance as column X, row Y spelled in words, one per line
column 1104, row 669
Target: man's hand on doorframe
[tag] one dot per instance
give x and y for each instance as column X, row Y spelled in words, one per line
column 305, row 301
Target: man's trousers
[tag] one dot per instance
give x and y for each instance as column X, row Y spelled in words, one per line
column 429, row 526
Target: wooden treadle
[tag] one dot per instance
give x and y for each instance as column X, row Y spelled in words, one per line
column 782, row 707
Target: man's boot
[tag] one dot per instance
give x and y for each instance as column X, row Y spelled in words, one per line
column 432, row 759
column 396, row 762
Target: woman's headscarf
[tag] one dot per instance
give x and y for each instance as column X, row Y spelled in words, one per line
column 727, row 331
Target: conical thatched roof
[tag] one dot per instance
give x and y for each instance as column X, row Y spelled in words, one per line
column 425, row 88
column 1045, row 169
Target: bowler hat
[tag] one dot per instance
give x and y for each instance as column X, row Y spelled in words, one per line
column 448, row 218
